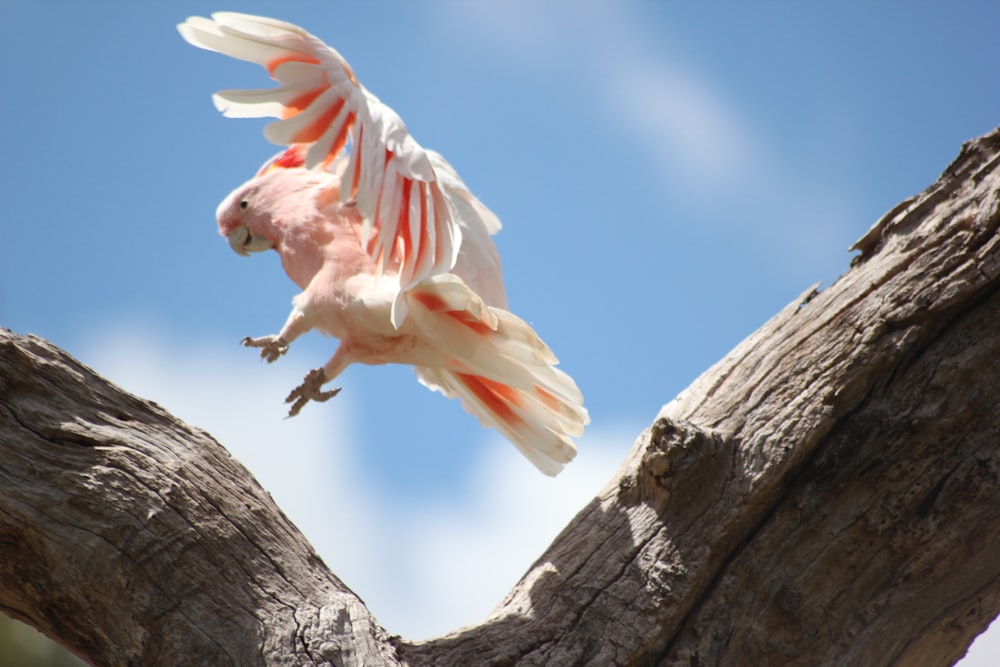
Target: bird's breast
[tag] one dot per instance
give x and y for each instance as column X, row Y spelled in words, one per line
column 357, row 307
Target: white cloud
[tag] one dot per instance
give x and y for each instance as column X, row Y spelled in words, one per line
column 984, row 650
column 423, row 567
column 468, row 555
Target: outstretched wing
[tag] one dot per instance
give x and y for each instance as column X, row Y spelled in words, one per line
column 408, row 224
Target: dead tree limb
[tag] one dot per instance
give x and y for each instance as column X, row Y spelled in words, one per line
column 828, row 493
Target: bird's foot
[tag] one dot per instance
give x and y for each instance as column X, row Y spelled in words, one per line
column 271, row 347
column 311, row 389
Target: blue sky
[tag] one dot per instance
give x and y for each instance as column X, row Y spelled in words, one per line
column 668, row 175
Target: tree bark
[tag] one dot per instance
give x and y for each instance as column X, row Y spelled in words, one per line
column 828, row 493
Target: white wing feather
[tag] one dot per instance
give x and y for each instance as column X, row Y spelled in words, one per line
column 409, row 226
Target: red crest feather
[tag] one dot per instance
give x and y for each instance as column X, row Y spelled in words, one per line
column 294, row 156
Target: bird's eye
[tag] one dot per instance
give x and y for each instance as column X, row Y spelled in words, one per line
column 243, row 204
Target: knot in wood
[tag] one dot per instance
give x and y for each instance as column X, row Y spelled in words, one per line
column 670, row 462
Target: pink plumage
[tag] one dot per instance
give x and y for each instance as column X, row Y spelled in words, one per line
column 392, row 252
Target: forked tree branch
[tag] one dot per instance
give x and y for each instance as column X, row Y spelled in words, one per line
column 828, row 493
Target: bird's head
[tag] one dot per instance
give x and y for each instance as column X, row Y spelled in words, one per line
column 245, row 220
column 246, row 216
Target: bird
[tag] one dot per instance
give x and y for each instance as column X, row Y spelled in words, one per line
column 392, row 251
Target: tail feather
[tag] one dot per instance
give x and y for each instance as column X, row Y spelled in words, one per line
column 501, row 371
column 506, row 409
column 522, row 342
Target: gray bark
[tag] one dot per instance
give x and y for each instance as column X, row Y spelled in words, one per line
column 828, row 493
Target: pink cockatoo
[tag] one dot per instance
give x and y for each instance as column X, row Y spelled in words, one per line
column 392, row 252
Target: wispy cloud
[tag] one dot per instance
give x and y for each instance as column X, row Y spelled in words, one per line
column 704, row 148
column 649, row 93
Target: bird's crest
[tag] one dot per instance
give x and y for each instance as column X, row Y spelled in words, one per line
column 294, row 156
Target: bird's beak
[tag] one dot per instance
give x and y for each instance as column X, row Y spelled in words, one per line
column 243, row 242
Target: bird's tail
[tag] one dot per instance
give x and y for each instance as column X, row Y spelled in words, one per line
column 501, row 371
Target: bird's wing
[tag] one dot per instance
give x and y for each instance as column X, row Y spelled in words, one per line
column 409, row 227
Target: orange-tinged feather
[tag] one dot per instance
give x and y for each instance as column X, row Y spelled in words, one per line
column 294, row 58
column 357, row 164
column 431, row 302
column 466, row 318
column 495, row 396
column 434, row 303
column 350, row 74
column 423, row 247
column 404, row 219
column 315, row 130
column 340, row 141
column 550, row 401
column 296, row 106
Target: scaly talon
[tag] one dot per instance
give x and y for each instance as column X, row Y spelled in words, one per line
column 311, row 389
column 271, row 347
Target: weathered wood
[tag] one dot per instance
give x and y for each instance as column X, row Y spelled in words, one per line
column 133, row 539
column 828, row 493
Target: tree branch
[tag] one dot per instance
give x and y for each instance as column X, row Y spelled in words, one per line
column 827, row 493
column 132, row 538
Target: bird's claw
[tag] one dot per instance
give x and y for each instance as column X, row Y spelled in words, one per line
column 271, row 347
column 311, row 389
